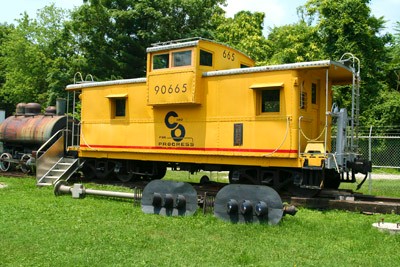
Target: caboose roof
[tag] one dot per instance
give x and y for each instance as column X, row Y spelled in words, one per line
column 183, row 43
column 171, row 45
column 338, row 72
column 79, row 86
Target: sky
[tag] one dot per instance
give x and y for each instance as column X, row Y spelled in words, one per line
column 277, row 12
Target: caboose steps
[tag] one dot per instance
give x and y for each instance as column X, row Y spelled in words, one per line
column 52, row 164
column 62, row 170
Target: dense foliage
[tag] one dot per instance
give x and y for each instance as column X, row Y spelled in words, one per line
column 108, row 39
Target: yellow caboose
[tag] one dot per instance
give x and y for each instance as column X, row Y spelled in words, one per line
column 204, row 106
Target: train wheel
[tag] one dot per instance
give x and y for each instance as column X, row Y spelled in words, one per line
column 161, row 171
column 104, row 169
column 5, row 164
column 331, row 179
column 243, row 176
column 88, row 170
column 125, row 177
column 24, row 163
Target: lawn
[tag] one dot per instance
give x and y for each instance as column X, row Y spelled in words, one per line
column 379, row 187
column 39, row 229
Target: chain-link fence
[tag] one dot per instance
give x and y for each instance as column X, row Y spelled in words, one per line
column 381, row 145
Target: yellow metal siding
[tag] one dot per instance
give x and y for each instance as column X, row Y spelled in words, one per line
column 178, row 87
column 197, row 126
column 208, row 127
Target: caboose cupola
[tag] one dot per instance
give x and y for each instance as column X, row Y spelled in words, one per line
column 174, row 69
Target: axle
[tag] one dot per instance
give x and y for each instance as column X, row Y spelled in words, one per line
column 79, row 191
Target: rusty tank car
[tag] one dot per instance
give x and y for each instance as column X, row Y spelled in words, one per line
column 26, row 131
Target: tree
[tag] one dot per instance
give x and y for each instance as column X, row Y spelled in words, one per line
column 36, row 59
column 114, row 34
column 348, row 26
column 393, row 72
column 244, row 32
column 24, row 65
column 294, row 43
column 5, row 30
column 386, row 108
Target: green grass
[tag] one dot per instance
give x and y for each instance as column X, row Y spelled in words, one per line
column 392, row 171
column 379, row 187
column 39, row 229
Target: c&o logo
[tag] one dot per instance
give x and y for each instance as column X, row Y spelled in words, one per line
column 177, row 130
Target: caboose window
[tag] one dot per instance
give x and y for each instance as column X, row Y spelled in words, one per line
column 183, row 58
column 206, row 58
column 270, row 100
column 314, row 93
column 160, row 61
column 117, row 105
column 120, row 105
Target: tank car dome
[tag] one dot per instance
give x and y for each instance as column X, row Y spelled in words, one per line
column 20, row 109
column 50, row 110
column 32, row 108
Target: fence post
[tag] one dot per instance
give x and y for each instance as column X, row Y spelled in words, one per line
column 370, row 159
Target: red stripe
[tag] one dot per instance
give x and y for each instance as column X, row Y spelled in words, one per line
column 194, row 149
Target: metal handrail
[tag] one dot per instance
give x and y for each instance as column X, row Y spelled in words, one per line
column 48, row 141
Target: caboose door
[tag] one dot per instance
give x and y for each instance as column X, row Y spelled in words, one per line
column 315, row 109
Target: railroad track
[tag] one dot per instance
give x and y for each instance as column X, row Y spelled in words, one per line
column 324, row 199
column 15, row 174
column 346, row 200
